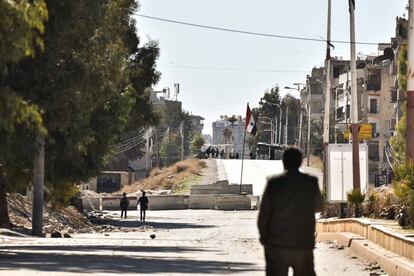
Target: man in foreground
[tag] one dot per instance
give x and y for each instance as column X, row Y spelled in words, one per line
column 287, row 219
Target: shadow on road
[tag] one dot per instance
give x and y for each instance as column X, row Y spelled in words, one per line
column 90, row 248
column 72, row 261
column 157, row 225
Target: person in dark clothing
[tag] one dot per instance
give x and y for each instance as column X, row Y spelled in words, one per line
column 287, row 219
column 222, row 154
column 217, row 152
column 208, row 150
column 124, row 205
column 213, row 153
column 237, row 155
column 143, row 205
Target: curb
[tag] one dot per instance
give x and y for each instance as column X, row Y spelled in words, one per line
column 392, row 263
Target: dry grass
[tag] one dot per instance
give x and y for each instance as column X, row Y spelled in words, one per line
column 177, row 178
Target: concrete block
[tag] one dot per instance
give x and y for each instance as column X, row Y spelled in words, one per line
column 231, row 202
column 254, row 201
column 201, row 202
column 168, row 202
column 92, row 203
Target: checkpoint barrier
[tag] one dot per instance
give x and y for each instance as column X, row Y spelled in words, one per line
column 178, row 202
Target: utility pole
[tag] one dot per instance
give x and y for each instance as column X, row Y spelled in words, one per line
column 300, row 128
column 147, row 154
column 38, row 186
column 280, row 123
column 286, row 126
column 327, row 110
column 309, row 128
column 410, row 87
column 182, row 139
column 354, row 101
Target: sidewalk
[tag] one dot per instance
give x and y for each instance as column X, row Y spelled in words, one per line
column 379, row 241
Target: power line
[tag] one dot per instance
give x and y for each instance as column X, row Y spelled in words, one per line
column 236, row 69
column 249, row 32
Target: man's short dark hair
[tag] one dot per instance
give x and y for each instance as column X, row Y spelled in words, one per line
column 292, row 158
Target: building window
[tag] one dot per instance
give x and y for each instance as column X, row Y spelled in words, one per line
column 374, row 80
column 373, row 106
column 339, row 114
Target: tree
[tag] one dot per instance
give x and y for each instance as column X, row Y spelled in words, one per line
column 89, row 84
column 398, row 141
column 170, row 149
column 197, row 143
column 294, row 107
column 21, row 26
column 269, row 106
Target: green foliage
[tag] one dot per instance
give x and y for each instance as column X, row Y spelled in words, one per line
column 21, row 23
column 170, row 149
column 355, row 198
column 197, row 143
column 86, row 87
column 402, row 67
column 62, row 194
column 398, row 141
column 269, row 106
column 404, row 186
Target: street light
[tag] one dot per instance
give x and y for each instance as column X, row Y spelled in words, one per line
column 271, row 127
column 276, row 121
column 301, row 113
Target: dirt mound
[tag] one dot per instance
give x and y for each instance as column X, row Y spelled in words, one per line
column 176, row 178
column 65, row 219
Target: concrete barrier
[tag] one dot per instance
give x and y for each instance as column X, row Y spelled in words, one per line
column 170, row 202
column 201, row 202
column 92, row 203
column 221, row 188
column 177, row 202
column 231, row 202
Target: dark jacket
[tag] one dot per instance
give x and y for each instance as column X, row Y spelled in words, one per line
column 287, row 211
column 143, row 202
column 124, row 203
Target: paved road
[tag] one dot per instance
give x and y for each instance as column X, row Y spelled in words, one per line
column 188, row 242
column 256, row 172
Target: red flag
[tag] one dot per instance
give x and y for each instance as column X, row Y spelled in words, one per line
column 250, row 126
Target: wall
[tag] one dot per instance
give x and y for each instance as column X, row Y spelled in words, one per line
column 177, row 202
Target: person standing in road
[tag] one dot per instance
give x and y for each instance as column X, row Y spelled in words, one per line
column 124, row 205
column 143, row 204
column 287, row 219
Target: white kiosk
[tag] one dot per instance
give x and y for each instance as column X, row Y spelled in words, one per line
column 339, row 162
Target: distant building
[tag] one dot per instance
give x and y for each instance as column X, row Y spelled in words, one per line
column 198, row 124
column 228, row 135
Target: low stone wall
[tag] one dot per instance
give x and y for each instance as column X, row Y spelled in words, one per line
column 373, row 231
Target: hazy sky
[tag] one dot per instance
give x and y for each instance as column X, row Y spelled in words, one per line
column 219, row 72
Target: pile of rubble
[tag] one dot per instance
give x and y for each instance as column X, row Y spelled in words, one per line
column 59, row 219
column 63, row 221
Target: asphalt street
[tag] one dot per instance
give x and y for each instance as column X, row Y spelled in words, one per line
column 188, row 242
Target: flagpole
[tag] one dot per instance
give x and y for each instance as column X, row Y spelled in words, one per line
column 241, row 174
